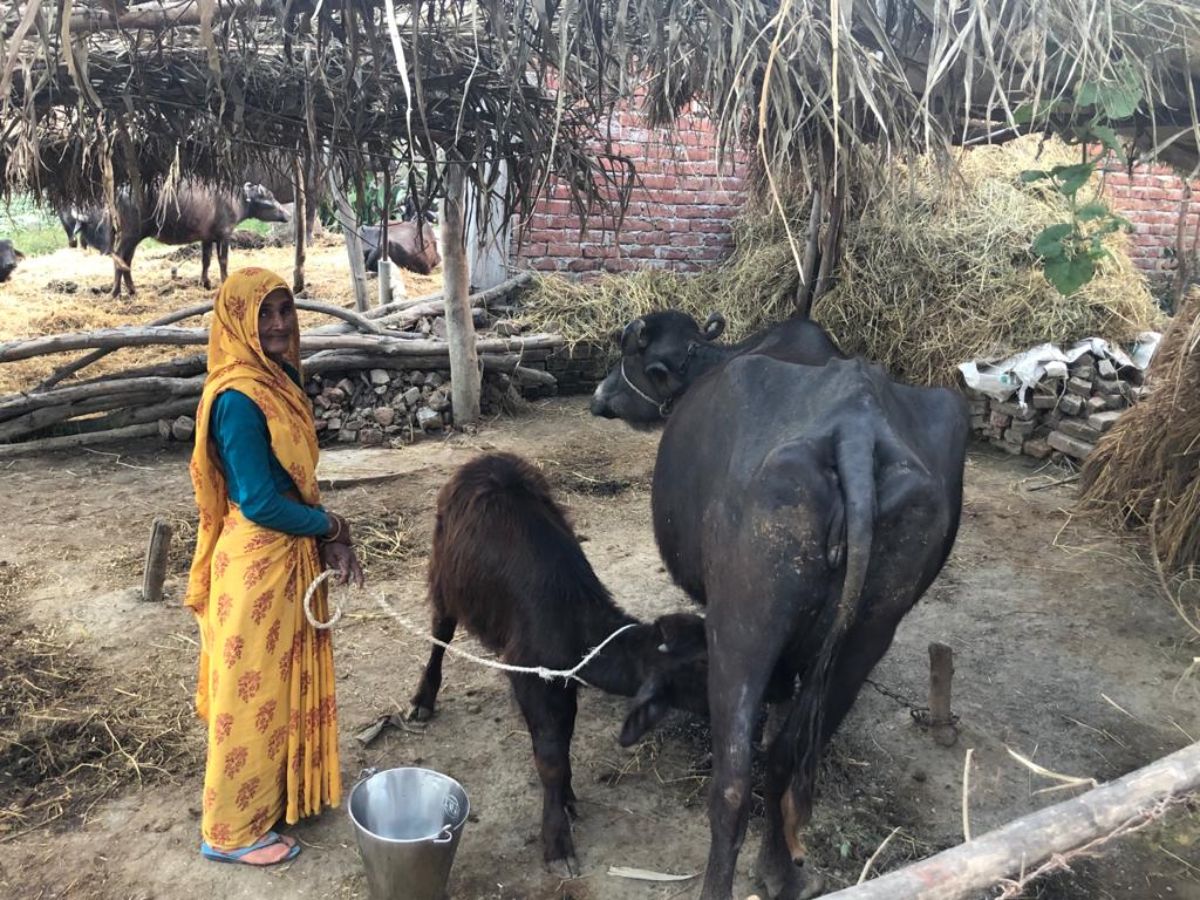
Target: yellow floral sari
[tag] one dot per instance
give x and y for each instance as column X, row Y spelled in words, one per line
column 266, row 684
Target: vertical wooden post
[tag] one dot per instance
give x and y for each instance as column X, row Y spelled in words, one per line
column 349, row 223
column 299, row 223
column 156, row 561
column 488, row 249
column 941, row 674
column 460, row 327
column 385, row 255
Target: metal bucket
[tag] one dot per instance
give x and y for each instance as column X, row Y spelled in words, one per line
column 408, row 823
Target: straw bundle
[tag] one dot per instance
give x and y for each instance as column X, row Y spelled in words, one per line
column 1153, row 452
column 937, row 270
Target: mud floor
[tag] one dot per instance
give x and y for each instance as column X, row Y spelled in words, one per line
column 1064, row 649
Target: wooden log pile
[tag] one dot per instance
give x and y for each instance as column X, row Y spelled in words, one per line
column 1062, row 418
column 389, row 358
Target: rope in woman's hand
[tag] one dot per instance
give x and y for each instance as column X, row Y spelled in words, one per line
column 542, row 672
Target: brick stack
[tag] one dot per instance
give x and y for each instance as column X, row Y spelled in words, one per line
column 1061, row 418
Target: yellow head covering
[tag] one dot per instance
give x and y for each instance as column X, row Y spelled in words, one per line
column 236, row 361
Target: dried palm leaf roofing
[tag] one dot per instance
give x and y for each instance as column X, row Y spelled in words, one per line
column 209, row 87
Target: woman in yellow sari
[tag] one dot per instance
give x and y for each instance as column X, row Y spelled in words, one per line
column 266, row 685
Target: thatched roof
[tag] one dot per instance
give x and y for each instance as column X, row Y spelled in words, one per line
column 213, row 88
column 919, row 75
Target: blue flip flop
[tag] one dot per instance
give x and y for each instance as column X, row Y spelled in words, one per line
column 236, row 856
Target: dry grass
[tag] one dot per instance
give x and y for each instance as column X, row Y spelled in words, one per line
column 937, row 271
column 68, row 291
column 1152, row 455
column 71, row 735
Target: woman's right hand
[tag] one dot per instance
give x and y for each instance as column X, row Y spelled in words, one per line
column 339, row 529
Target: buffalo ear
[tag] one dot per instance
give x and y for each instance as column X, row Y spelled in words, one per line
column 714, row 326
column 634, row 338
column 18, row 254
column 649, row 708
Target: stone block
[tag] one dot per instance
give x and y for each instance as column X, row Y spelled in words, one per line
column 999, row 420
column 1037, row 448
column 434, row 379
column 183, row 428
column 1069, row 446
column 1103, row 421
column 428, row 420
column 1079, row 428
column 1022, row 429
column 1012, row 408
column 1096, row 404
column 1106, row 369
column 1081, row 387
column 412, row 396
column 1072, row 404
column 1011, row 449
column 1109, row 386
column 385, row 415
column 1044, row 401
column 372, row 437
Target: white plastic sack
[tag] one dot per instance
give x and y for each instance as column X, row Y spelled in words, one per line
column 1019, row 373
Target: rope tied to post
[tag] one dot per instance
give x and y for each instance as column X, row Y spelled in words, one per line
column 542, row 672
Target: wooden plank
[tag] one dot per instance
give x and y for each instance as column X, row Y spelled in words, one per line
column 1020, row 846
column 155, row 572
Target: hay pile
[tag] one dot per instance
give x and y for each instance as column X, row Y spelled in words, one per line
column 69, row 737
column 1153, row 452
column 936, row 271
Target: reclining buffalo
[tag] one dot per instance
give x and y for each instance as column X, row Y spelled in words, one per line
column 808, row 501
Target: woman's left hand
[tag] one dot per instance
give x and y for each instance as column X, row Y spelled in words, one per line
column 342, row 559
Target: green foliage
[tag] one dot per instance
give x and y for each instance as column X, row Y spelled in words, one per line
column 1070, row 250
column 32, row 229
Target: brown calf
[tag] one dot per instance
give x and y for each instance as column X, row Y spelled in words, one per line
column 507, row 564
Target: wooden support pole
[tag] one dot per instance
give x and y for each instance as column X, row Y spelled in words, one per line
column 156, row 560
column 349, row 223
column 78, row 440
column 465, row 380
column 941, row 674
column 1020, row 846
column 299, row 222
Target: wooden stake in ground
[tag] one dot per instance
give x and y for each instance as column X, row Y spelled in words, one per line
column 941, row 674
column 460, row 329
column 156, row 560
column 1058, row 833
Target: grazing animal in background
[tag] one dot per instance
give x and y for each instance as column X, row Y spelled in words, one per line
column 196, row 212
column 411, row 246
column 507, row 565
column 87, row 227
column 808, row 501
column 9, row 257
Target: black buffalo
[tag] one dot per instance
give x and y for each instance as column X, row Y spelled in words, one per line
column 87, row 226
column 9, row 257
column 808, row 501
column 196, row 212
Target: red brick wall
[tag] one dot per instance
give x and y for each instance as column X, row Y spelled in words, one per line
column 1151, row 199
column 678, row 218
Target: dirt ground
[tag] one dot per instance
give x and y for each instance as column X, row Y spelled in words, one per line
column 1064, row 649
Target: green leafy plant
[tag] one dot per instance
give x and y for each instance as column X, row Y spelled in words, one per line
column 1069, row 251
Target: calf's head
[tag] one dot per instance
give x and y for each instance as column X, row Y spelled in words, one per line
column 9, row 257
column 657, row 365
column 262, row 205
column 674, row 673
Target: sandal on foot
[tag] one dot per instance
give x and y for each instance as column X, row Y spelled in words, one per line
column 238, row 856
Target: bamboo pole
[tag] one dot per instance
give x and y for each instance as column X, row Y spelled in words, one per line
column 465, row 382
column 145, row 336
column 299, row 223
column 78, row 440
column 981, row 863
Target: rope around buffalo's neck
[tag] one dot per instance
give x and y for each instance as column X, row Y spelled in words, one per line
column 541, row 672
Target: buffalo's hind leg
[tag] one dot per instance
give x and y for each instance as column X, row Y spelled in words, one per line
column 424, row 701
column 549, row 711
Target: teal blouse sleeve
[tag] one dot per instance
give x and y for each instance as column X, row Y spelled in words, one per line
column 255, row 479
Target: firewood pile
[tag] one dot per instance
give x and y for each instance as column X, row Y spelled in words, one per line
column 375, row 377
